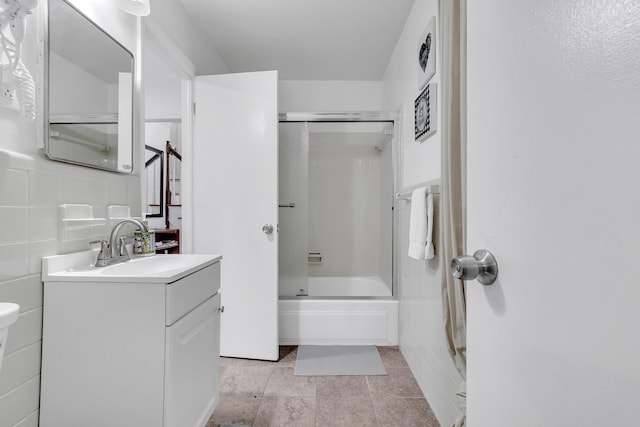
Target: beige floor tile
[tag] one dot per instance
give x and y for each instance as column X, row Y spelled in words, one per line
column 282, row 382
column 392, row 357
column 404, row 412
column 342, row 386
column 286, row 411
column 340, row 411
column 245, row 379
column 232, row 361
column 235, row 409
column 399, row 383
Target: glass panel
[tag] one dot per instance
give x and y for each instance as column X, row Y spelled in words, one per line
column 350, row 209
column 294, row 210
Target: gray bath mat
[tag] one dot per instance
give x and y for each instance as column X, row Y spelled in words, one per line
column 324, row 360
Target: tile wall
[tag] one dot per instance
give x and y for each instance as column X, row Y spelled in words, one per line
column 421, row 331
column 31, row 188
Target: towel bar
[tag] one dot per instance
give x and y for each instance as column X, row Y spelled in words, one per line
column 432, row 189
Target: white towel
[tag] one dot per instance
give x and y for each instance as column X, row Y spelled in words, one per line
column 418, row 224
column 429, row 251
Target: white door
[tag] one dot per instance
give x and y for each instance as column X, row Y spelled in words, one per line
column 554, row 193
column 235, row 194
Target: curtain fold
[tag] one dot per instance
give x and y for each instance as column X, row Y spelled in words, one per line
column 452, row 21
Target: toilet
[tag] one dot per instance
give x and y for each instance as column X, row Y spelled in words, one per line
column 8, row 315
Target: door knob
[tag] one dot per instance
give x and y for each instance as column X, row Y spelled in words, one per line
column 267, row 229
column 482, row 265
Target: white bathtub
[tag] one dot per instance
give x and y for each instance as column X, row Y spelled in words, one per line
column 339, row 286
column 336, row 313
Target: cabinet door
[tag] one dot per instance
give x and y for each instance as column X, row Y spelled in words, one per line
column 192, row 360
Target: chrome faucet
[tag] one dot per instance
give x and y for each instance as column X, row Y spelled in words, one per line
column 117, row 248
column 112, row 252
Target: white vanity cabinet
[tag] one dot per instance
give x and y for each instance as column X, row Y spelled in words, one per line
column 122, row 347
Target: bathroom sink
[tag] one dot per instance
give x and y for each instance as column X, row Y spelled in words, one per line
column 161, row 268
column 8, row 314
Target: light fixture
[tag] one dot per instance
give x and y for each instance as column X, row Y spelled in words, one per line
column 135, row 7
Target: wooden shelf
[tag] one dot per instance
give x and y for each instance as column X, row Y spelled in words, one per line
column 170, row 237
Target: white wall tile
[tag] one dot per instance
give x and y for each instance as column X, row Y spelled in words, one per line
column 17, row 231
column 38, row 250
column 96, row 193
column 26, row 331
column 25, row 291
column 18, row 402
column 31, row 420
column 73, row 190
column 44, row 189
column 19, row 367
column 43, row 223
column 13, row 261
column 421, row 330
column 13, row 187
column 117, row 193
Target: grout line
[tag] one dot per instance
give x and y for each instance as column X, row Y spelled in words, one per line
column 373, row 406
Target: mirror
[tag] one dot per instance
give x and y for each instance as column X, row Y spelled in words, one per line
column 90, row 93
column 154, row 178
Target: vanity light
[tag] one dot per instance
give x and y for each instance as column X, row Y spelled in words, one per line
column 135, row 7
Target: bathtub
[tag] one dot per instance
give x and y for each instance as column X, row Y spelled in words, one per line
column 336, row 313
column 340, row 286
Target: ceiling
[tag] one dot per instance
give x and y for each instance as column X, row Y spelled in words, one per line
column 304, row 39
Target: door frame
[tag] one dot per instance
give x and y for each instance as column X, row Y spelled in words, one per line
column 159, row 42
column 390, row 117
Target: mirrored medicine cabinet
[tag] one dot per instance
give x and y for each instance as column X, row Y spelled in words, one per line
column 88, row 92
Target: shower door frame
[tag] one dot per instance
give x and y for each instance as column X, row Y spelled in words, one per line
column 396, row 154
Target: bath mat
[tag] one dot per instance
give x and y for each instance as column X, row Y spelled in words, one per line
column 325, row 360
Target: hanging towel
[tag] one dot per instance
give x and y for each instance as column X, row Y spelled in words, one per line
column 418, row 224
column 429, row 251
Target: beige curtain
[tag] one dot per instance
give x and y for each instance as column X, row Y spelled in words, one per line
column 452, row 21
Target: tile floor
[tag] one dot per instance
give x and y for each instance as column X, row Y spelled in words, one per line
column 258, row 393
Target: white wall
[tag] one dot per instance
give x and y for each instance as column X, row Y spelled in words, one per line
column 31, row 188
column 163, row 99
column 313, row 95
column 172, row 18
column 421, row 161
column 422, row 338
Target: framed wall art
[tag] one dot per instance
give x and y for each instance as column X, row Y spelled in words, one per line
column 426, row 54
column 425, row 109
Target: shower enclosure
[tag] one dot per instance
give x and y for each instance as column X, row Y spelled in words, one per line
column 336, row 209
column 336, row 195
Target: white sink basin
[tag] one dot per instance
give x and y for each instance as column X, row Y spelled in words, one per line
column 79, row 267
column 8, row 314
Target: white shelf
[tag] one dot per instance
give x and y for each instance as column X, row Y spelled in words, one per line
column 83, row 222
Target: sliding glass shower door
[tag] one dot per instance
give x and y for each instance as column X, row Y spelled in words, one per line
column 293, row 208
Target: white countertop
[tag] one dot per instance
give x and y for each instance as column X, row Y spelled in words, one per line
column 159, row 268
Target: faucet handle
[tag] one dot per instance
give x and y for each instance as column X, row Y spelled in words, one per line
column 104, row 250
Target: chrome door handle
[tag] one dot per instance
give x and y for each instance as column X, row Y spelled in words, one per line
column 267, row 229
column 482, row 266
